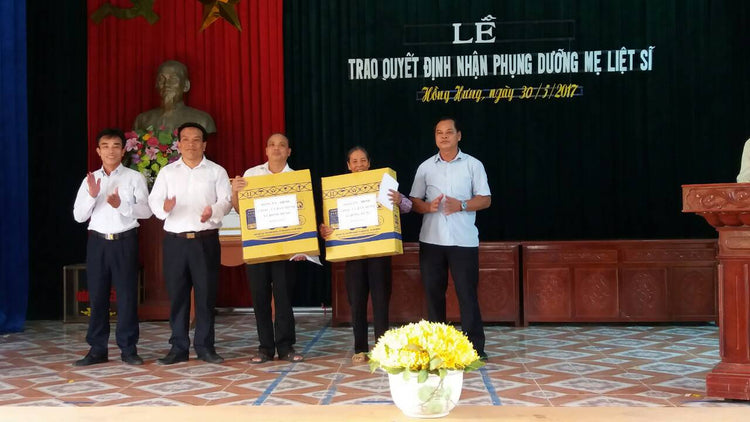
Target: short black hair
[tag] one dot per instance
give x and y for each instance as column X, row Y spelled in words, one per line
column 195, row 125
column 110, row 132
column 456, row 124
column 357, row 148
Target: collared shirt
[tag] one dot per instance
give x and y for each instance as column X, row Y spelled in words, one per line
column 131, row 186
column 744, row 175
column 262, row 170
column 194, row 189
column 462, row 178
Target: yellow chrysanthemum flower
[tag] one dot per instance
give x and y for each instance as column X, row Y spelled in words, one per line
column 424, row 346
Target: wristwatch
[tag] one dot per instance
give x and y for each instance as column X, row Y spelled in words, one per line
column 464, row 205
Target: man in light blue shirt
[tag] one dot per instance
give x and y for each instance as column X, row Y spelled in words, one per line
column 449, row 188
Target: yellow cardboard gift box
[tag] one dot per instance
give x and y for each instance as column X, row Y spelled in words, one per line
column 380, row 239
column 272, row 230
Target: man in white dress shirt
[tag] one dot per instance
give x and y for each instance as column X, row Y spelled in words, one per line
column 112, row 198
column 272, row 278
column 191, row 195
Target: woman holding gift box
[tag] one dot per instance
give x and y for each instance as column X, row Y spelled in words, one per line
column 368, row 276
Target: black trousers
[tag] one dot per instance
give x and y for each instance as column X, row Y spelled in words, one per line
column 273, row 279
column 108, row 263
column 434, row 262
column 370, row 276
column 191, row 264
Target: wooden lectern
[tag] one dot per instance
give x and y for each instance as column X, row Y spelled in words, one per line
column 155, row 306
column 726, row 206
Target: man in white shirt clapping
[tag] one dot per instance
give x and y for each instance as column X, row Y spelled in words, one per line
column 191, row 195
column 112, row 198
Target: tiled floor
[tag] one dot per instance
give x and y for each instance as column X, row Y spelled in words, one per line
column 542, row 365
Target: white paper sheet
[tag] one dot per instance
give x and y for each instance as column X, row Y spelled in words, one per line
column 276, row 211
column 357, row 211
column 315, row 259
column 387, row 183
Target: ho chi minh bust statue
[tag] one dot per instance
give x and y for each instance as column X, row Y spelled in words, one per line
column 172, row 82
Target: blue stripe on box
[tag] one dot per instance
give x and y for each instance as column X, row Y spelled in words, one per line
column 384, row 236
column 305, row 235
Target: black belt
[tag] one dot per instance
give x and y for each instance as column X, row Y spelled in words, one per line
column 193, row 235
column 113, row 236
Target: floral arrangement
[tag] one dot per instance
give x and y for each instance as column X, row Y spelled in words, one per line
column 424, row 348
column 147, row 151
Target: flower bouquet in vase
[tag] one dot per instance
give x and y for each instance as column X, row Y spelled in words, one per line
column 147, row 151
column 425, row 362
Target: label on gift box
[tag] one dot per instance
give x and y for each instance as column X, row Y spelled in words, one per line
column 277, row 217
column 357, row 211
column 276, row 211
column 363, row 226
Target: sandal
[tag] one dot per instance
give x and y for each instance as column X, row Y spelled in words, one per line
column 260, row 358
column 292, row 357
column 359, row 357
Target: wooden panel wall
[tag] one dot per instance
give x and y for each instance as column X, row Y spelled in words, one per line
column 619, row 281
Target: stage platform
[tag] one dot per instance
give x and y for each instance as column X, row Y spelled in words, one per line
column 544, row 365
column 353, row 413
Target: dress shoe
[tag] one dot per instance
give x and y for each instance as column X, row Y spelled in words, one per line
column 210, row 357
column 90, row 359
column 133, row 359
column 172, row 358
